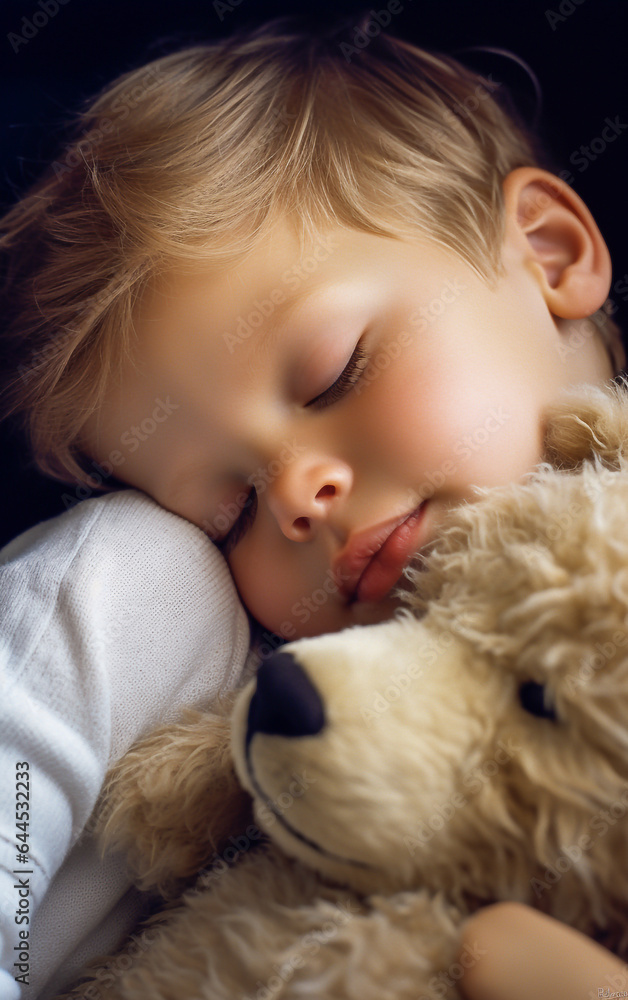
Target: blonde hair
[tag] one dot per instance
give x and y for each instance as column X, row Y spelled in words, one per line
column 188, row 160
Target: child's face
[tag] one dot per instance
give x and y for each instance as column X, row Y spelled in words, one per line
column 232, row 389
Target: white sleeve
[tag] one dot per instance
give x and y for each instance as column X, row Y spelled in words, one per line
column 113, row 617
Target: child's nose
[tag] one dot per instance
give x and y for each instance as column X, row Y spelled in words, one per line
column 308, row 493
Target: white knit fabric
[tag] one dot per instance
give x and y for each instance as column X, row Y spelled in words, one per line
column 114, row 616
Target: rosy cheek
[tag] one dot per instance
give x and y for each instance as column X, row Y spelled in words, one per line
column 404, row 419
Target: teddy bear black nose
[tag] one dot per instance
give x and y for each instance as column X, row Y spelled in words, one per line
column 285, row 702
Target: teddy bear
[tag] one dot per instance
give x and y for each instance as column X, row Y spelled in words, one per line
column 370, row 789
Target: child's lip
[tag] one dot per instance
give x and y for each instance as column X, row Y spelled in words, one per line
column 372, row 561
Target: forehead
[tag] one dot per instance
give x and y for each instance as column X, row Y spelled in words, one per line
column 283, row 268
column 283, row 277
column 233, row 315
column 258, row 291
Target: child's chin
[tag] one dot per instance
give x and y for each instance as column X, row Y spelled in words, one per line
column 364, row 613
column 343, row 616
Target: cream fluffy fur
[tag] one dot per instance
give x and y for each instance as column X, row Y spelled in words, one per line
column 431, row 789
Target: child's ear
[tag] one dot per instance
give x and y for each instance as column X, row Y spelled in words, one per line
column 559, row 240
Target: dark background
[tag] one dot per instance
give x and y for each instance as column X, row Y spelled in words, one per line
column 576, row 49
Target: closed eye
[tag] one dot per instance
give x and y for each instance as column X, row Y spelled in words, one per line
column 345, row 381
column 241, row 525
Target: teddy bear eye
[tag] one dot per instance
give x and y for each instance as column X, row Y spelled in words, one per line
column 534, row 700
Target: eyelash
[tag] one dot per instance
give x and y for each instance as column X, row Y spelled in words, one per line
column 345, row 381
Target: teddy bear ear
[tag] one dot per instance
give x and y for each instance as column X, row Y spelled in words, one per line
column 171, row 803
column 587, row 421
